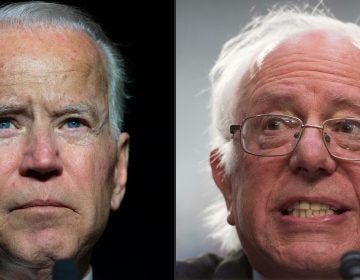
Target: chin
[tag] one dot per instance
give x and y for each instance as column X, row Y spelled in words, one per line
column 43, row 248
column 311, row 258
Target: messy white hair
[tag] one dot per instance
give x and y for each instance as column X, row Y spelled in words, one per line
column 242, row 55
column 44, row 14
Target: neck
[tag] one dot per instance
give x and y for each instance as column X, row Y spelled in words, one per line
column 14, row 268
column 10, row 269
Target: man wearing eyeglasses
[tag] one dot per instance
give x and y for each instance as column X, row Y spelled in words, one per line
column 286, row 148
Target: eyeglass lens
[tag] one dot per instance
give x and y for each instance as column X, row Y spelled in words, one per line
column 273, row 135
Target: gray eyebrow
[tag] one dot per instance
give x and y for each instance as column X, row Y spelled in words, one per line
column 343, row 102
column 79, row 108
column 11, row 108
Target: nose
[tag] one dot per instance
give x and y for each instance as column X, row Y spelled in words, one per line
column 310, row 158
column 40, row 159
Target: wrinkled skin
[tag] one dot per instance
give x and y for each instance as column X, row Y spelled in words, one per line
column 61, row 168
column 314, row 76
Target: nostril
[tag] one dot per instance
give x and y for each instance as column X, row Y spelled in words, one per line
column 42, row 176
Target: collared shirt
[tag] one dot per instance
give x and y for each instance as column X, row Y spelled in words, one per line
column 211, row 266
column 257, row 275
column 89, row 274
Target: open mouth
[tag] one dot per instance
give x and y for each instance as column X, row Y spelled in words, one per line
column 306, row 209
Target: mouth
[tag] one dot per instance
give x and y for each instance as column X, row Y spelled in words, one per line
column 39, row 203
column 307, row 209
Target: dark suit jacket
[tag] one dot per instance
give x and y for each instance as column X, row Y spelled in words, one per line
column 212, row 267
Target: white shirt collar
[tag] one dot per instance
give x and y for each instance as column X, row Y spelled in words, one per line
column 89, row 274
column 257, row 275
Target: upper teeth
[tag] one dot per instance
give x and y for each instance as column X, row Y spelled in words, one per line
column 310, row 209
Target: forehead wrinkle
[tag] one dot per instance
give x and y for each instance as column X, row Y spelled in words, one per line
column 305, row 56
column 250, row 100
column 270, row 97
column 274, row 100
column 26, row 87
column 289, row 96
column 309, row 69
column 12, row 72
column 86, row 69
column 63, row 51
column 48, row 42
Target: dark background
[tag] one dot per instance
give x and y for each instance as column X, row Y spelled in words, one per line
column 139, row 240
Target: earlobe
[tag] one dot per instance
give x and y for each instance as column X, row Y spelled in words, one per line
column 120, row 174
column 222, row 181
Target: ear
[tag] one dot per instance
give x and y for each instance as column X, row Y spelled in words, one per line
column 120, row 174
column 223, row 182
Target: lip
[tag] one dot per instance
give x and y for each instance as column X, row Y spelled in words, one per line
column 311, row 223
column 39, row 203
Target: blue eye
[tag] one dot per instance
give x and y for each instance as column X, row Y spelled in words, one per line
column 72, row 123
column 5, row 124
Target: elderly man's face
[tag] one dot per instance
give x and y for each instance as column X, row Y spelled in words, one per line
column 315, row 76
column 61, row 169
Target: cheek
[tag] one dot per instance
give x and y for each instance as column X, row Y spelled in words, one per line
column 11, row 152
column 9, row 163
column 92, row 168
column 254, row 186
column 351, row 171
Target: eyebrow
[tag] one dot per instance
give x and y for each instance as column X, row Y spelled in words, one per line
column 344, row 103
column 78, row 108
column 11, row 108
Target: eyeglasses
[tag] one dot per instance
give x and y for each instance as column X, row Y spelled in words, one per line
column 278, row 135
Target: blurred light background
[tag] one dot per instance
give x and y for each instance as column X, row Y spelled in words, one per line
column 202, row 26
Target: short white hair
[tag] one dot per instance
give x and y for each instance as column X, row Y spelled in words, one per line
column 244, row 54
column 45, row 14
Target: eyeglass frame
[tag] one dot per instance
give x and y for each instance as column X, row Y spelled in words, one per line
column 238, row 127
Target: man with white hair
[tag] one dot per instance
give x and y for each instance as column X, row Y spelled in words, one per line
column 63, row 157
column 286, row 148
